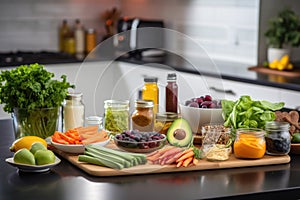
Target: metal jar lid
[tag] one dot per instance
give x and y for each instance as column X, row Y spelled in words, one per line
column 75, row 95
column 144, row 104
column 150, row 79
column 166, row 116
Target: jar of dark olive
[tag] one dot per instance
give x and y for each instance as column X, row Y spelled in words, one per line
column 278, row 139
column 143, row 118
column 163, row 121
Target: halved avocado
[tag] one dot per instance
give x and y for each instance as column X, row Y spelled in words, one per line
column 180, row 133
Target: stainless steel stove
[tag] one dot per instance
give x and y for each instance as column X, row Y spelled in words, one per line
column 17, row 58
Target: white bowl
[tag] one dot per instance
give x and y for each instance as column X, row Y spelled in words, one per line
column 76, row 148
column 197, row 117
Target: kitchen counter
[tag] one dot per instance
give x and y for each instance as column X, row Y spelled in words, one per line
column 217, row 68
column 66, row 181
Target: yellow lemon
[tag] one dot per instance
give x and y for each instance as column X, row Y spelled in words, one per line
column 26, row 142
column 285, row 60
column 273, row 64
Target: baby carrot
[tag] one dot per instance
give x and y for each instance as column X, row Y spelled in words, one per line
column 185, row 156
column 187, row 161
column 179, row 163
column 195, row 161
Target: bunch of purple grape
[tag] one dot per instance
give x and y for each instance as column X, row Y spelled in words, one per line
column 203, row 102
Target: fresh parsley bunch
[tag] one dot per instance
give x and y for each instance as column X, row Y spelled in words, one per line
column 31, row 87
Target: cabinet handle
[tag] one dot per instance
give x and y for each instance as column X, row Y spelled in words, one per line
column 223, row 91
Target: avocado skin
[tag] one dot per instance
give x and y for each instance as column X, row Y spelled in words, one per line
column 180, row 124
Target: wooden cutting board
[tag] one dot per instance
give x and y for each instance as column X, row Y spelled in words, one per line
column 148, row 168
column 260, row 69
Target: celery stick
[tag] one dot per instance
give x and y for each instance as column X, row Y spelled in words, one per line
column 99, row 161
column 98, row 154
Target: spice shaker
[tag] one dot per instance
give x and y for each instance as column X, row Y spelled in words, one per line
column 171, row 93
column 73, row 111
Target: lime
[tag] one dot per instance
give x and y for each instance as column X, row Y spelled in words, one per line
column 296, row 138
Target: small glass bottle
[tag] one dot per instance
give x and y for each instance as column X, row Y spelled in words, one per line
column 142, row 118
column 150, row 91
column 278, row 138
column 171, row 93
column 90, row 40
column 73, row 111
column 249, row 143
column 63, row 33
column 116, row 116
column 79, row 37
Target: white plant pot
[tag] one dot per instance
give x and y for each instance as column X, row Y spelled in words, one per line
column 275, row 53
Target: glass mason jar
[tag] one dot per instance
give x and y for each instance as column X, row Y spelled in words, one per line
column 163, row 121
column 116, row 116
column 278, row 138
column 73, row 111
column 142, row 118
column 150, row 91
column 94, row 121
column 42, row 122
column 249, row 143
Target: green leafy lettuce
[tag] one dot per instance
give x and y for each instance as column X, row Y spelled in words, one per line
column 31, row 87
column 247, row 113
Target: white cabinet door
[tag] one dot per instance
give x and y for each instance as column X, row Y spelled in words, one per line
column 291, row 98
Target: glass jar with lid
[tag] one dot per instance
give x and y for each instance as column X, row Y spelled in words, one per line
column 73, row 111
column 250, row 143
column 163, row 121
column 278, row 138
column 94, row 121
column 142, row 118
column 116, row 116
column 150, row 91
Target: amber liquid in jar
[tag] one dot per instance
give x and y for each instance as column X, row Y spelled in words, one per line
column 163, row 121
column 150, row 91
column 171, row 93
column 250, row 143
column 142, row 118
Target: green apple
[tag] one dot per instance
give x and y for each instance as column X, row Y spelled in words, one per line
column 44, row 157
column 37, row 146
column 24, row 156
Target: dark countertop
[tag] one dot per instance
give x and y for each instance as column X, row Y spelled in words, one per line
column 66, row 181
column 217, row 68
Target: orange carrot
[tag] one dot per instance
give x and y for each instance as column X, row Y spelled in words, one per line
column 67, row 138
column 187, row 161
column 179, row 163
column 185, row 156
column 195, row 161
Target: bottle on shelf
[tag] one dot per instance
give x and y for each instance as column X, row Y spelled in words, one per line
column 90, row 38
column 63, row 33
column 171, row 93
column 79, row 37
column 150, row 91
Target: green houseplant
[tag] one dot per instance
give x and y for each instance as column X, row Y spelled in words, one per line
column 282, row 34
column 33, row 97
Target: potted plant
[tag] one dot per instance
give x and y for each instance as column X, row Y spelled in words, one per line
column 282, row 34
column 34, row 98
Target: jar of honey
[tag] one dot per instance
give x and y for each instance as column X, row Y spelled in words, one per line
column 250, row 143
column 142, row 118
column 150, row 91
column 163, row 121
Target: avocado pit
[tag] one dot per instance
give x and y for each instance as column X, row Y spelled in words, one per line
column 179, row 134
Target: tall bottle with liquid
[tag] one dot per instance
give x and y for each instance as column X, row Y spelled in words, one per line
column 150, row 91
column 171, row 93
column 64, row 31
column 79, row 35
